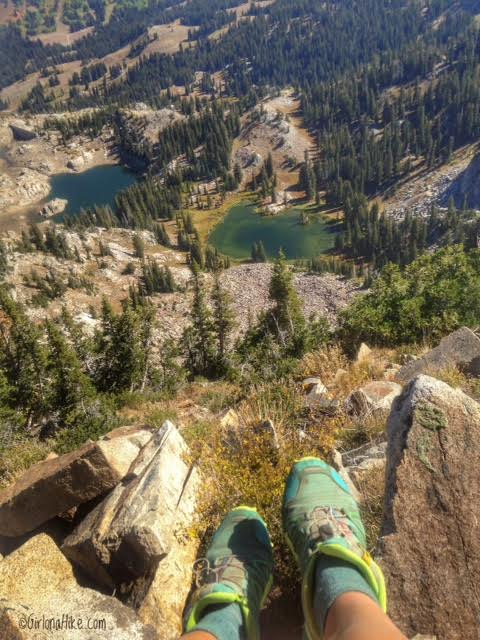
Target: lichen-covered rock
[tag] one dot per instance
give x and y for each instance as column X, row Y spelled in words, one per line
column 40, row 598
column 430, row 548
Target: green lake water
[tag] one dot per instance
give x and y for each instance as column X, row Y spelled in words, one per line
column 241, row 227
column 96, row 186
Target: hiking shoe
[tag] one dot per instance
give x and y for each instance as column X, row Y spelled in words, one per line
column 320, row 515
column 238, row 567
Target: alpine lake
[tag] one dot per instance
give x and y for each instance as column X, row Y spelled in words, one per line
column 96, row 186
column 233, row 236
column 243, row 225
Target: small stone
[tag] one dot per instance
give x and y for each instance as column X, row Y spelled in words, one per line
column 365, row 458
column 363, row 353
column 317, row 393
column 311, row 382
column 372, row 397
column 337, row 464
column 230, row 419
column 268, row 428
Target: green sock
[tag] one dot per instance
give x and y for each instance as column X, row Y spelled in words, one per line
column 332, row 578
column 224, row 621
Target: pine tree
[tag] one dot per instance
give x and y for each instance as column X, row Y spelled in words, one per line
column 286, row 316
column 196, row 254
column 124, row 348
column 261, row 253
column 70, row 387
column 269, row 166
column 24, row 360
column 139, row 246
column 222, row 321
column 4, row 265
column 199, row 338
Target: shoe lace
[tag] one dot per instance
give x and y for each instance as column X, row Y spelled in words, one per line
column 326, row 522
column 205, row 573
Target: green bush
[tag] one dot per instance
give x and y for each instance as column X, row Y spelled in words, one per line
column 434, row 295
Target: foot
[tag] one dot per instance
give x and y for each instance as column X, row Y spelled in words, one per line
column 237, row 568
column 320, row 516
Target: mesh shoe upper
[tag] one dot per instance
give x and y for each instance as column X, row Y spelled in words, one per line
column 321, row 516
column 238, row 568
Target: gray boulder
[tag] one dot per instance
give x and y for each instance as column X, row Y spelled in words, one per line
column 461, row 349
column 54, row 486
column 41, row 599
column 131, row 530
column 430, row 548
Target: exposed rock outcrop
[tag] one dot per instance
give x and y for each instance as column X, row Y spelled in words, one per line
column 429, row 550
column 461, row 349
column 25, row 187
column 21, row 131
column 131, row 530
column 56, row 485
column 54, row 207
column 42, row 599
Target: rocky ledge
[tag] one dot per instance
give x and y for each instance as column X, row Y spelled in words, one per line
column 130, row 499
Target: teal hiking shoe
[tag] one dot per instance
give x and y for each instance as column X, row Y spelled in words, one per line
column 320, row 515
column 238, row 567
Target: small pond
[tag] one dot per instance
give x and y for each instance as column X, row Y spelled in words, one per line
column 242, row 226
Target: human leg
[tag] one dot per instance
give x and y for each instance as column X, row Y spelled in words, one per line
column 324, row 529
column 233, row 580
column 355, row 616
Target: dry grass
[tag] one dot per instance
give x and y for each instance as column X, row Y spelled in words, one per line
column 356, row 431
column 340, row 375
column 248, row 469
column 452, row 376
column 18, row 458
